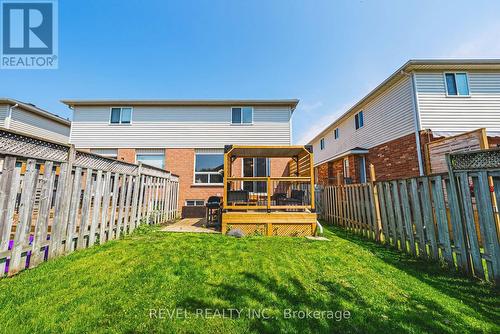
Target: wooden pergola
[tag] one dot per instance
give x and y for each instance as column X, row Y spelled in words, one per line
column 285, row 206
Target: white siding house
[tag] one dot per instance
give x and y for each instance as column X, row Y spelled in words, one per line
column 30, row 120
column 186, row 137
column 422, row 100
column 179, row 126
column 394, row 106
column 451, row 115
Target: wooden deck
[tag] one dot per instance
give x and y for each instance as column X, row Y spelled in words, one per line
column 276, row 223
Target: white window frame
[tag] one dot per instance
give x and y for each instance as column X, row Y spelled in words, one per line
column 362, row 174
column 195, row 172
column 357, row 114
column 120, row 123
column 241, row 115
column 322, row 144
column 195, row 202
column 152, row 154
column 336, row 134
column 455, row 77
column 345, row 166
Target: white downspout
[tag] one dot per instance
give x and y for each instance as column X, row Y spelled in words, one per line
column 9, row 116
column 416, row 119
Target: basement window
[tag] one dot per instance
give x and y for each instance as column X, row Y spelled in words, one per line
column 457, row 84
column 195, row 202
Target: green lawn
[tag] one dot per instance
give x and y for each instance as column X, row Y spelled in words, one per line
column 113, row 287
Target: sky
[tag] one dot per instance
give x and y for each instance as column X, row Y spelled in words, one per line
column 328, row 54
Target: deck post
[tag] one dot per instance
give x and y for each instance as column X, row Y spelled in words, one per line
column 268, row 193
column 311, row 175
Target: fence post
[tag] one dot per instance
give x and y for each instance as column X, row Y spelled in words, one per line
column 374, row 193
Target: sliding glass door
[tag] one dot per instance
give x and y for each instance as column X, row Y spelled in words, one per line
column 255, row 167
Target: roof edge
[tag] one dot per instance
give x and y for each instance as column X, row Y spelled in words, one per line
column 36, row 110
column 292, row 103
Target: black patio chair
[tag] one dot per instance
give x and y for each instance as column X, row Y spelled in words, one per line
column 237, row 196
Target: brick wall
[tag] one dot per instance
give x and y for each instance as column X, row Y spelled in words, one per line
column 126, row 154
column 494, row 142
column 180, row 161
column 394, row 159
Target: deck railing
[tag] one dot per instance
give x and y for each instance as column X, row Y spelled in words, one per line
column 269, row 193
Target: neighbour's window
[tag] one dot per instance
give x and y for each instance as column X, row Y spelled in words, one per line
column 242, row 115
column 106, row 152
column 336, row 133
column 359, row 120
column 322, row 144
column 195, row 202
column 156, row 160
column 121, row 115
column 208, row 168
column 457, row 84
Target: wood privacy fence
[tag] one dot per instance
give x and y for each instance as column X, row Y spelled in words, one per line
column 452, row 217
column 55, row 199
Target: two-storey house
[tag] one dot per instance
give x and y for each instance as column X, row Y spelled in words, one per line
column 422, row 101
column 186, row 137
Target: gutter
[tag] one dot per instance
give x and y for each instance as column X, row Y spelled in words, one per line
column 416, row 119
column 9, row 115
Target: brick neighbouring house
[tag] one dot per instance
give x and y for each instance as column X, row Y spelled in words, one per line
column 186, row 137
column 422, row 101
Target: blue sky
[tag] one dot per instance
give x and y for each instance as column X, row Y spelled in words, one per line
column 329, row 54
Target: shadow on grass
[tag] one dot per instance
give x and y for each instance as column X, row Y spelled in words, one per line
column 450, row 282
column 262, row 291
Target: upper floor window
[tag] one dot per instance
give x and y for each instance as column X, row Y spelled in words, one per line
column 322, row 144
column 336, row 133
column 242, row 115
column 208, row 168
column 359, row 120
column 121, row 115
column 457, row 84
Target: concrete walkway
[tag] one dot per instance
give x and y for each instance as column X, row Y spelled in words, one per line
column 192, row 225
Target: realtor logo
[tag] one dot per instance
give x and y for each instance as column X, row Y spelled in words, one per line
column 29, row 34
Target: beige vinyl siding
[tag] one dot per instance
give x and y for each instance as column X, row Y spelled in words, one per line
column 4, row 111
column 386, row 117
column 439, row 112
column 179, row 127
column 29, row 123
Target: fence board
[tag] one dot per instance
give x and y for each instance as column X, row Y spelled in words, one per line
column 74, row 208
column 41, row 227
column 398, row 216
column 468, row 212
column 429, row 226
column 25, row 211
column 417, row 218
column 442, row 219
column 487, row 221
column 407, row 227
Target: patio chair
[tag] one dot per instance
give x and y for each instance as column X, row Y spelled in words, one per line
column 237, row 196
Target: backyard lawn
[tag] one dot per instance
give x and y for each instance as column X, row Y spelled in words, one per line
column 135, row 285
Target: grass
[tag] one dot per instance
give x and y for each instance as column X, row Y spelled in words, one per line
column 113, row 287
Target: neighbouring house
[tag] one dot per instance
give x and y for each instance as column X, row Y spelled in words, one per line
column 423, row 101
column 28, row 119
column 187, row 137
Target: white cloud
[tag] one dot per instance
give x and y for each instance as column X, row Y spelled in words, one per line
column 321, row 123
column 484, row 44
